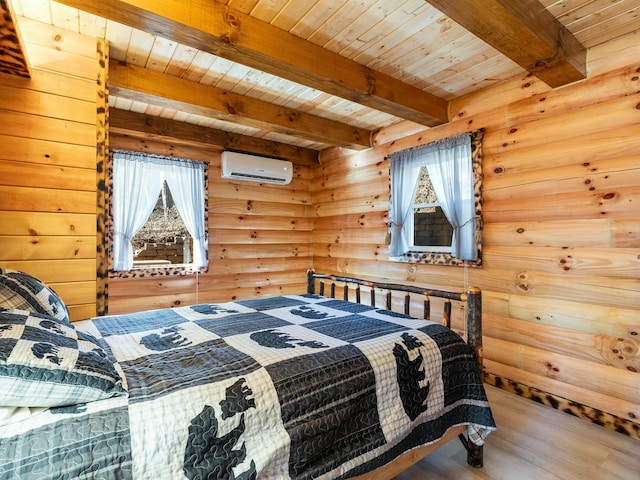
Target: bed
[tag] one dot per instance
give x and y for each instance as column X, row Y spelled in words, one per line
column 307, row 386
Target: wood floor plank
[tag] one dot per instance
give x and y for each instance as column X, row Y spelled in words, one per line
column 534, row 441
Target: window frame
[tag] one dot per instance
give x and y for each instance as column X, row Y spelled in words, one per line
column 434, row 257
column 154, row 269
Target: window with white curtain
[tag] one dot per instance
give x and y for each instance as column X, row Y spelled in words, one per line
column 435, row 205
column 138, row 181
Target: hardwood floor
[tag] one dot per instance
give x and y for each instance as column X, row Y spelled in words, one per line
column 534, row 441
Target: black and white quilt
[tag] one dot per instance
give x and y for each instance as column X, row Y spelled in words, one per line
column 291, row 387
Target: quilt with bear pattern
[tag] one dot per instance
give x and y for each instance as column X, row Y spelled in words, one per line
column 290, row 387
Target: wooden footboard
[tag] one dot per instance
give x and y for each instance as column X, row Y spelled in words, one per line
column 472, row 300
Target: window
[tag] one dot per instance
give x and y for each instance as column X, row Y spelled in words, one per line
column 435, row 211
column 430, row 229
column 143, row 184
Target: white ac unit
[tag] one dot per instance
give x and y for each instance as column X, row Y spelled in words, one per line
column 253, row 168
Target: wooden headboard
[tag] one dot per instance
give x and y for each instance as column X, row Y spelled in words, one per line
column 471, row 298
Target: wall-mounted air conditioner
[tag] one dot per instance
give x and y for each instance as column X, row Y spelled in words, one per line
column 253, row 168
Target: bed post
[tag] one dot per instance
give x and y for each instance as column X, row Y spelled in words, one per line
column 474, row 325
column 311, row 282
column 474, row 339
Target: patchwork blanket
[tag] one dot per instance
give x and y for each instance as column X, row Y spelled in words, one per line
column 290, row 387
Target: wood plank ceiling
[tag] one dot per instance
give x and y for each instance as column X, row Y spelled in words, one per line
column 293, row 77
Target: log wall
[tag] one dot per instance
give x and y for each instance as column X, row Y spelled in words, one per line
column 259, row 239
column 48, row 167
column 561, row 262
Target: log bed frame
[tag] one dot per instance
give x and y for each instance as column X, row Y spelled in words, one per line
column 472, row 300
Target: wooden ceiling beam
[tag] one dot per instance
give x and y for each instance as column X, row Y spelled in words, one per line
column 13, row 59
column 146, row 126
column 214, row 27
column 160, row 89
column 526, row 32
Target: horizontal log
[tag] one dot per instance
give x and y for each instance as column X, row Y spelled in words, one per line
column 46, row 224
column 581, row 395
column 257, row 237
column 47, row 152
column 612, row 203
column 625, row 232
column 46, row 248
column 396, row 131
column 250, row 207
column 47, row 105
column 380, row 188
column 603, row 349
column 619, row 113
column 496, row 96
column 601, row 290
column 612, row 262
column 255, row 279
column 595, row 89
column 56, row 271
column 260, row 222
column 139, row 304
column 597, row 319
column 356, row 220
column 32, row 126
column 247, row 293
column 54, row 83
column 598, row 174
column 143, row 126
column 209, row 154
column 238, row 190
column 76, row 293
column 344, row 250
column 46, row 200
column 603, row 379
column 364, row 205
column 47, row 176
column 248, row 251
column 326, row 178
column 577, row 149
column 151, row 286
column 255, row 265
column 397, row 272
column 554, row 233
column 350, row 236
column 81, row 312
column 336, row 162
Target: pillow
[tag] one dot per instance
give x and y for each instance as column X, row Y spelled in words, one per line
column 45, row 362
column 23, row 291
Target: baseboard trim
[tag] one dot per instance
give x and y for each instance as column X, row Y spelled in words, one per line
column 593, row 415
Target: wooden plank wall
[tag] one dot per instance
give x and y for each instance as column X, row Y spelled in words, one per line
column 48, row 167
column 260, row 236
column 561, row 236
column 259, row 239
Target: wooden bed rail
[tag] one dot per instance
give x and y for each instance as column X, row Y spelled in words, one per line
column 472, row 299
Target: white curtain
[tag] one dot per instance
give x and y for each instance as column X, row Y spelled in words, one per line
column 450, row 170
column 186, row 182
column 404, row 181
column 137, row 181
column 136, row 186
